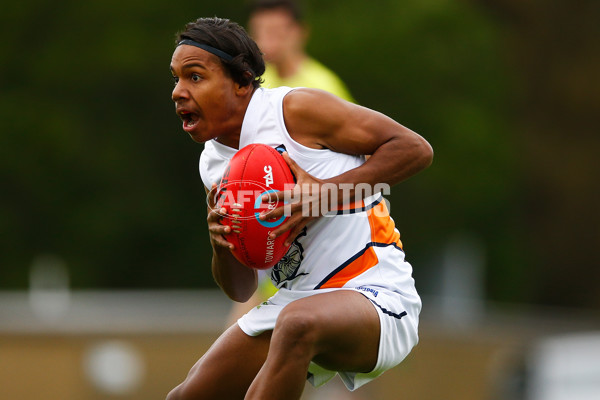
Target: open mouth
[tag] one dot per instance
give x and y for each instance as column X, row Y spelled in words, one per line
column 190, row 120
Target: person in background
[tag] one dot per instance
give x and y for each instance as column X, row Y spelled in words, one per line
column 278, row 27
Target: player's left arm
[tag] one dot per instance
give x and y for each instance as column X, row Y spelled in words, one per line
column 318, row 119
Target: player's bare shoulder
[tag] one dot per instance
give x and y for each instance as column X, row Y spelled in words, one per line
column 311, row 114
column 314, row 104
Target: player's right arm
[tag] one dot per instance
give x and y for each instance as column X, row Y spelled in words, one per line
column 235, row 279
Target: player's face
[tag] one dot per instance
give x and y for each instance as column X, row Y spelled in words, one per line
column 276, row 33
column 204, row 94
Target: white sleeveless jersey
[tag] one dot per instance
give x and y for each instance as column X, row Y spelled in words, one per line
column 356, row 249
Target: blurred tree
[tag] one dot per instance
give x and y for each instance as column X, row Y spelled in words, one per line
column 94, row 167
column 556, row 57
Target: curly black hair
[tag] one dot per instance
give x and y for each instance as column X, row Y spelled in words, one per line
column 247, row 65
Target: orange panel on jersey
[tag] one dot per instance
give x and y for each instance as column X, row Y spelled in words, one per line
column 355, row 205
column 383, row 232
column 382, row 226
column 365, row 261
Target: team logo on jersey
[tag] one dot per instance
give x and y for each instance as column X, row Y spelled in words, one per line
column 287, row 268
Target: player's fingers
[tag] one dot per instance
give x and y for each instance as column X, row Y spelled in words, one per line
column 219, row 240
column 211, row 196
column 272, row 214
column 286, row 225
column 217, row 236
column 215, row 215
column 283, row 209
column 301, row 176
column 296, row 230
column 218, row 229
column 291, row 163
column 279, row 203
column 273, row 197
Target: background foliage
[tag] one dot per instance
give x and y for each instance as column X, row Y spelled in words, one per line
column 95, row 169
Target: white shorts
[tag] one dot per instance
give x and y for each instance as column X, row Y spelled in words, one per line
column 398, row 317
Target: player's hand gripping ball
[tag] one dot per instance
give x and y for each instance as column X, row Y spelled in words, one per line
column 254, row 170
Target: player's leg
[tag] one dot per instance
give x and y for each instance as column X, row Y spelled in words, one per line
column 226, row 370
column 338, row 330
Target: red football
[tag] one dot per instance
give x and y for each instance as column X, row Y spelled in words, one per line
column 254, row 170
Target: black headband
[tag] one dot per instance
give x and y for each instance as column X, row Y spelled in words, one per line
column 210, row 49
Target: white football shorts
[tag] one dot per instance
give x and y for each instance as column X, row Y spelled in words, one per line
column 398, row 317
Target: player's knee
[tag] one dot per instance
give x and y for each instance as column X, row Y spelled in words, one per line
column 297, row 328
